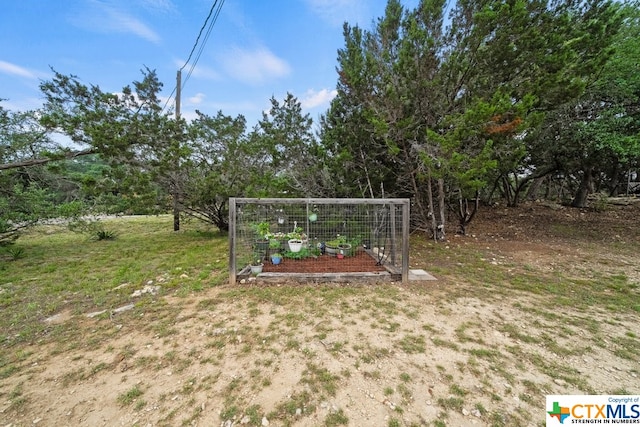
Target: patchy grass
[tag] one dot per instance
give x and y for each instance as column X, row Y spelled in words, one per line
column 130, row 396
column 66, row 271
column 494, row 329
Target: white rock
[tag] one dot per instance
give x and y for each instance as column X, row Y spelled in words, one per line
column 123, row 308
column 96, row 313
column 265, row 421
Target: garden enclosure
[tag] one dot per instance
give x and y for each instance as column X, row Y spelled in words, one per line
column 319, row 239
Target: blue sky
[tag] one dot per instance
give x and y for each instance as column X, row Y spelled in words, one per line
column 256, row 49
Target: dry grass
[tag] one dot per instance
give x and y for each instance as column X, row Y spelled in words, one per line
column 508, row 321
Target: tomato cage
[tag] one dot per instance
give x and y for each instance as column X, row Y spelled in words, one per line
column 318, row 239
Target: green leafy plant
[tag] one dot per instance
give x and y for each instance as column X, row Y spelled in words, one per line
column 16, row 253
column 257, row 259
column 274, row 244
column 262, row 230
column 296, row 234
column 303, row 253
column 104, row 234
column 94, row 228
column 339, row 240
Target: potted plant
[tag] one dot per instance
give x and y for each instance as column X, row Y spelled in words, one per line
column 262, row 231
column 276, row 258
column 344, row 248
column 333, row 247
column 256, row 265
column 274, row 244
column 295, row 245
column 296, row 238
column 274, row 248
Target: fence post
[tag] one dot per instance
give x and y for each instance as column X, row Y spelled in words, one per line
column 232, row 241
column 405, row 241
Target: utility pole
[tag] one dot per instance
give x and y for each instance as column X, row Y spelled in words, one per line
column 178, row 90
column 176, row 178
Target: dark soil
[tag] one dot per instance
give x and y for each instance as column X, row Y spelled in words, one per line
column 360, row 262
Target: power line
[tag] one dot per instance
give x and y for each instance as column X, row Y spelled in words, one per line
column 200, row 34
column 206, row 38
column 215, row 12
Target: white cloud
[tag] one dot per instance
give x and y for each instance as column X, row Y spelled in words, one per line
column 196, row 99
column 109, row 19
column 255, row 66
column 16, row 70
column 125, row 23
column 314, row 99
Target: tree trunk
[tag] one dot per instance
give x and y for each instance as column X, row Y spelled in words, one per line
column 616, row 181
column 176, row 215
column 177, row 202
column 464, row 214
column 585, row 188
column 532, row 191
column 440, row 229
column 431, row 213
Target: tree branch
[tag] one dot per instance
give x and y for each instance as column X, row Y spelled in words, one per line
column 41, row 161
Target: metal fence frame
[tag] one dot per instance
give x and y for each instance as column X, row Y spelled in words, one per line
column 404, row 204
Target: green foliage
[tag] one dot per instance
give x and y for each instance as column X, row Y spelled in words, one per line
column 128, row 397
column 94, row 228
column 339, row 240
column 421, row 102
column 428, row 106
column 16, row 253
column 262, row 230
column 23, row 207
column 274, row 244
column 303, row 253
column 141, row 145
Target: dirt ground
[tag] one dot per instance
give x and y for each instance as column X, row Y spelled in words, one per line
column 477, row 347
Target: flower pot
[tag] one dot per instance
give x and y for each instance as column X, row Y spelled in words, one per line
column 256, row 269
column 276, row 259
column 295, row 245
column 344, row 249
column 330, row 250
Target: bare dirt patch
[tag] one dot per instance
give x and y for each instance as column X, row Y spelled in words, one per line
column 509, row 320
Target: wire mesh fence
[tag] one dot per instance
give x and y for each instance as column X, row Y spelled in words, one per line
column 318, row 238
